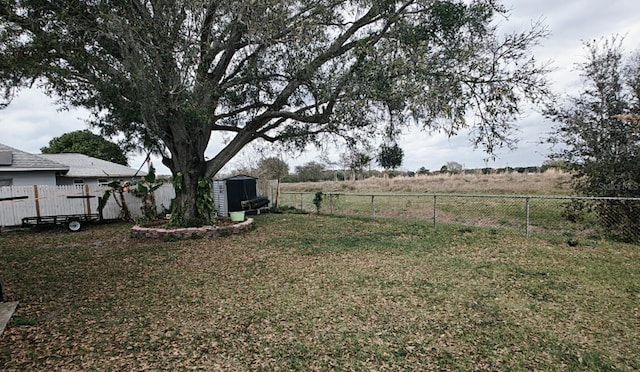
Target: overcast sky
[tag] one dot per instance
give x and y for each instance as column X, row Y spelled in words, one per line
column 32, row 120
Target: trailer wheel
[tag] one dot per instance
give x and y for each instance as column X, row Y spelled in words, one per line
column 74, row 225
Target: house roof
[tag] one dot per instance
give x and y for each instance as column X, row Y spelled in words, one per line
column 83, row 166
column 20, row 161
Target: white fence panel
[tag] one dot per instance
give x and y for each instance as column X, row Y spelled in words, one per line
column 64, row 200
column 163, row 196
column 113, row 207
column 17, row 202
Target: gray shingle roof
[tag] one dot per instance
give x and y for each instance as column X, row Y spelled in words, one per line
column 83, row 166
column 23, row 162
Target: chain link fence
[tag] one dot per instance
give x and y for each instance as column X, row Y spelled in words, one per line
column 617, row 218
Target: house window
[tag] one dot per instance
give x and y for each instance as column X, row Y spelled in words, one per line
column 103, row 181
column 78, row 181
column 6, row 182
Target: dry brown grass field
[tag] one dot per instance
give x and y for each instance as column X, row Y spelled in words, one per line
column 302, row 292
column 548, row 183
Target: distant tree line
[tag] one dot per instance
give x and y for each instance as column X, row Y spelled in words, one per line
column 316, row 172
column 356, row 165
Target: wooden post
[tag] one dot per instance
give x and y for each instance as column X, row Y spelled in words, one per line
column 35, row 194
column 86, row 193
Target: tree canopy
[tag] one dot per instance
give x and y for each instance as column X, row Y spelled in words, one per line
column 452, row 167
column 310, row 172
column 272, row 168
column 168, row 75
column 390, row 156
column 598, row 133
column 85, row 142
column 356, row 160
column 598, row 136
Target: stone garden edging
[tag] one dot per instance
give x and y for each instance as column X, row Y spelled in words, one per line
column 212, row 231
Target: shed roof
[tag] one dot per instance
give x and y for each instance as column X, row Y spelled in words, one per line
column 239, row 177
column 20, row 161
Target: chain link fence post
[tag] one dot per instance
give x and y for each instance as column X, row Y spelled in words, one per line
column 526, row 228
column 331, row 204
column 373, row 207
column 435, row 201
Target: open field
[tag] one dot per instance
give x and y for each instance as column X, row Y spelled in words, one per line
column 548, row 183
column 503, row 212
column 524, row 215
column 524, row 203
column 312, row 292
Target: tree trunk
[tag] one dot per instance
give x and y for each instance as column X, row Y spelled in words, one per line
column 191, row 206
column 193, row 175
column 185, row 210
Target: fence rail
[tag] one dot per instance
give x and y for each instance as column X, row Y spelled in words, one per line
column 529, row 214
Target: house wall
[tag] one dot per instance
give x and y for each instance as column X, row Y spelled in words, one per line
column 30, row 178
column 68, row 181
column 64, row 181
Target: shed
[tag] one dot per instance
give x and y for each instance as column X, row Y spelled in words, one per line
column 229, row 193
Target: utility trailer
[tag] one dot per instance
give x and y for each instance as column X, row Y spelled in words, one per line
column 73, row 222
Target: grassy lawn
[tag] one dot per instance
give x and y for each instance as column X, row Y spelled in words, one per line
column 320, row 293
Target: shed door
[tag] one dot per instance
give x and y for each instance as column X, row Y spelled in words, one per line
column 238, row 191
column 235, row 194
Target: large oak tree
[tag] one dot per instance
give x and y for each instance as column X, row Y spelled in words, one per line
column 167, row 75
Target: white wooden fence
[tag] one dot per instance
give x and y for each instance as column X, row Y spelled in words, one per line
column 17, row 202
